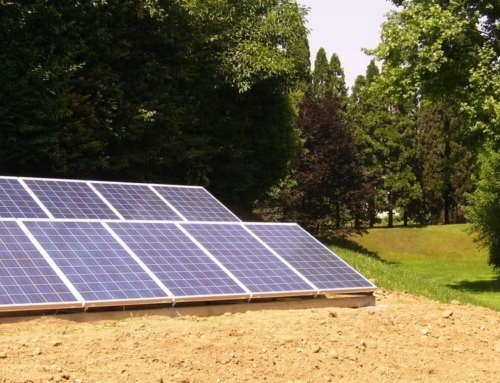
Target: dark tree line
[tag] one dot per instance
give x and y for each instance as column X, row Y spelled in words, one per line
column 165, row 91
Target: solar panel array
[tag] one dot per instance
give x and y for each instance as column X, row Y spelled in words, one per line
column 70, row 243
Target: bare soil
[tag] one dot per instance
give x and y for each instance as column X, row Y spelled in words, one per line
column 403, row 339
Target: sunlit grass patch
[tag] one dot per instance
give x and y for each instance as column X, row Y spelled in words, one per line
column 439, row 262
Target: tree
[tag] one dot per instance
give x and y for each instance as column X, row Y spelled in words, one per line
column 328, row 77
column 446, row 165
column 448, row 50
column 178, row 91
column 483, row 209
column 248, row 64
column 327, row 191
column 321, row 77
column 368, row 114
column 387, row 137
column 92, row 82
column 337, row 78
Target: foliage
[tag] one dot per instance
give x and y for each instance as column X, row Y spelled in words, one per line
column 445, row 165
column 321, row 79
column 178, row 91
column 328, row 77
column 327, row 189
column 427, row 48
column 387, row 137
column 447, row 51
column 483, row 208
column 249, row 40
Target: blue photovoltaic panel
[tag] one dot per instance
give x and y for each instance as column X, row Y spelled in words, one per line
column 70, row 199
column 95, row 263
column 196, row 204
column 26, row 278
column 249, row 261
column 15, row 202
column 136, row 201
column 176, row 260
column 309, row 257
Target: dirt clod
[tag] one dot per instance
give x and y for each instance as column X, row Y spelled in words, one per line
column 447, row 313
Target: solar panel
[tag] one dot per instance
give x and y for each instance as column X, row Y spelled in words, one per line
column 308, row 256
column 246, row 258
column 70, row 243
column 101, row 270
column 177, row 261
column 136, row 201
column 196, row 204
column 15, row 201
column 26, row 278
column 70, row 199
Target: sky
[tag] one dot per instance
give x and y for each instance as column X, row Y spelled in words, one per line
column 344, row 27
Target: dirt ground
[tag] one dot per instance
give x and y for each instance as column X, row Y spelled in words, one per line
column 403, row 339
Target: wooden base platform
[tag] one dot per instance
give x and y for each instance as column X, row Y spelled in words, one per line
column 198, row 309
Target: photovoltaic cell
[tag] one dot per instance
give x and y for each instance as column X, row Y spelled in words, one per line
column 176, row 260
column 95, row 263
column 308, row 256
column 136, row 201
column 70, row 199
column 254, row 265
column 196, row 204
column 26, row 278
column 15, row 202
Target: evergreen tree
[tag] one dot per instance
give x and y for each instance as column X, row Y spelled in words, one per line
column 328, row 76
column 337, row 78
column 387, row 137
column 446, row 165
column 321, row 77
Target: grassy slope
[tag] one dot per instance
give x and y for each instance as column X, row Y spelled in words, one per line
column 440, row 262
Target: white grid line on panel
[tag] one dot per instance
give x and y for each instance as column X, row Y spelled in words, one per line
column 38, row 201
column 105, row 201
column 51, row 262
column 138, row 260
column 304, row 278
column 189, row 272
column 209, row 254
column 256, row 264
column 168, row 203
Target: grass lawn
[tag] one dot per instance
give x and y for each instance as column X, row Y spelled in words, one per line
column 440, row 262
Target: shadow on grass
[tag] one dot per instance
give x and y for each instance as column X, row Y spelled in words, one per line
column 491, row 285
column 353, row 246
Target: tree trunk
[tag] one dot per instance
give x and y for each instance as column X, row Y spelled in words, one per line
column 371, row 212
column 405, row 218
column 447, row 171
column 337, row 215
column 390, row 217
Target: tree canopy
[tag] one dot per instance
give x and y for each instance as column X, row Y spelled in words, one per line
column 443, row 55
column 179, row 91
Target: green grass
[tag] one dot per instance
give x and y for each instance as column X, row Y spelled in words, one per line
column 439, row 262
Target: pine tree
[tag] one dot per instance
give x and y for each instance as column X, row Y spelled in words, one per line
column 386, row 134
column 321, row 77
column 337, row 78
